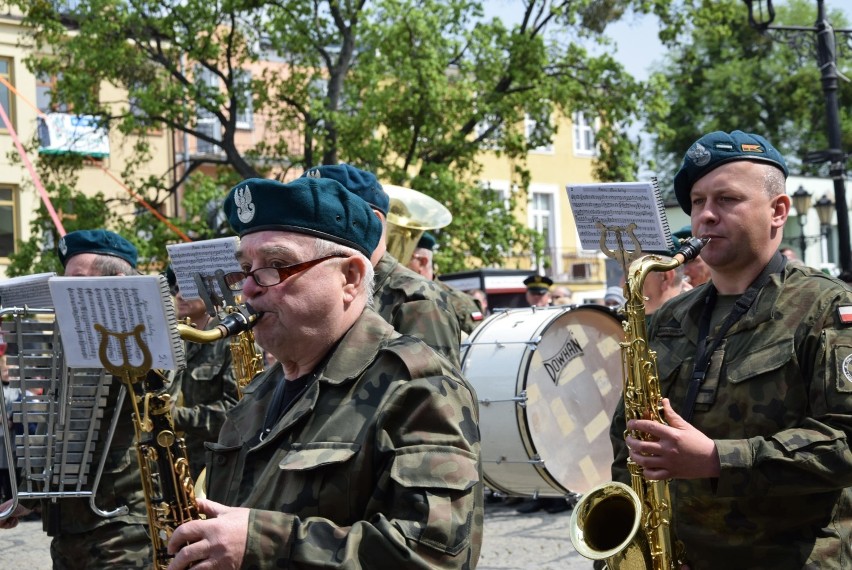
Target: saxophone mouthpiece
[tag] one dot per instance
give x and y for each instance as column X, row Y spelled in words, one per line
column 690, row 248
column 239, row 322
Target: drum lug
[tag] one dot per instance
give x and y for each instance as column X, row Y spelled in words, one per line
column 520, row 400
column 534, row 460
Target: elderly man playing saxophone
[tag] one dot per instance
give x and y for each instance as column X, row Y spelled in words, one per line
column 361, row 445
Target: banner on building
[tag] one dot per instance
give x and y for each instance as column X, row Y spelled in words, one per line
column 62, row 133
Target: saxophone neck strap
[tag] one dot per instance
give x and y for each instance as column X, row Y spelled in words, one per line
column 703, row 354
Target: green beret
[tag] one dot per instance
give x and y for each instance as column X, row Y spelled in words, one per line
column 100, row 242
column 538, row 283
column 715, row 149
column 315, row 206
column 683, row 233
column 360, row 182
column 427, row 241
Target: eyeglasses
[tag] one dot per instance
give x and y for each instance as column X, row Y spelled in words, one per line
column 269, row 276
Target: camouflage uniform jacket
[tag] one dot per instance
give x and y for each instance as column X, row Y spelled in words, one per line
column 376, row 464
column 120, row 484
column 414, row 305
column 467, row 310
column 207, row 389
column 777, row 401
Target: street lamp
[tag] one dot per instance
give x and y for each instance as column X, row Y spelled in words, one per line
column 761, row 20
column 825, row 209
column 802, row 203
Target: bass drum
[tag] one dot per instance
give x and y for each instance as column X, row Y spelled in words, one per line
column 548, row 380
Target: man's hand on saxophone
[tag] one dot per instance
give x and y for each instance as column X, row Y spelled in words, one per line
column 673, row 451
column 211, row 543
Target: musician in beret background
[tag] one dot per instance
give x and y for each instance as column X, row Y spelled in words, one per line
column 360, row 447
column 81, row 538
column 206, row 388
column 411, row 303
column 757, row 445
column 467, row 311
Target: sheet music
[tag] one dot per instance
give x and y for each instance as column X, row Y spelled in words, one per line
column 28, row 290
column 203, row 257
column 619, row 204
column 119, row 304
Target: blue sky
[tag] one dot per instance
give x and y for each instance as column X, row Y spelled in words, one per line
column 637, row 45
column 632, row 32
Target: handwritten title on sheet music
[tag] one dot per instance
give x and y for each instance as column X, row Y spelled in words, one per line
column 619, row 205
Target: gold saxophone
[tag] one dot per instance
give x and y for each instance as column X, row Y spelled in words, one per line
column 605, row 524
column 163, row 463
column 247, row 360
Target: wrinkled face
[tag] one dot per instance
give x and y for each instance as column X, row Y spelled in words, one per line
column 731, row 207
column 82, row 265
column 300, row 311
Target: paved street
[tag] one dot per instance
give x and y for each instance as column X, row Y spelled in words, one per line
column 512, row 541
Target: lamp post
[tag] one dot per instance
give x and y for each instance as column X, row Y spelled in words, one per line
column 827, row 61
column 802, row 203
column 825, row 209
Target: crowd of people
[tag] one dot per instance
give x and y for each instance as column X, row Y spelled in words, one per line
column 359, row 445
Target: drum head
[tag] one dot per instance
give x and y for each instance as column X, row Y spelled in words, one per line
column 573, row 384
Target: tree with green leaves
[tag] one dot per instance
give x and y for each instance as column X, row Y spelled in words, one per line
column 724, row 75
column 413, row 91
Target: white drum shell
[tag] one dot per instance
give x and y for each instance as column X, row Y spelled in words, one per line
column 548, row 380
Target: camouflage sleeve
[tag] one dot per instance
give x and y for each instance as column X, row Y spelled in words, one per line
column 435, row 325
column 814, row 456
column 427, row 504
column 215, row 392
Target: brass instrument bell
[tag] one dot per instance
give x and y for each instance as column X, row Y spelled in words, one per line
column 410, row 214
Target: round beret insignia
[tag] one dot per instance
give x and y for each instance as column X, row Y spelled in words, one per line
column 63, row 247
column 699, row 155
column 847, row 368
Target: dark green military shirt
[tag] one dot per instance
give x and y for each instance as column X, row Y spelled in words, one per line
column 377, row 464
column 417, row 306
column 207, row 389
column 777, row 401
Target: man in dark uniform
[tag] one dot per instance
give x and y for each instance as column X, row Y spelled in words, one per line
column 412, row 304
column 757, row 445
column 83, row 539
column 538, row 290
column 360, row 448
column 467, row 311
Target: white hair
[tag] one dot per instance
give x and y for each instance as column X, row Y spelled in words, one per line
column 323, row 247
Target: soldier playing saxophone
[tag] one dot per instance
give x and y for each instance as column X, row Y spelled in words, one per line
column 754, row 367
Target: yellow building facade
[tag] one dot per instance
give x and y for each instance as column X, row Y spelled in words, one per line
column 24, row 103
column 545, row 208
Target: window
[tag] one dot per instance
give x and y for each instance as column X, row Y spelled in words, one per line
column 581, row 271
column 44, row 85
column 5, row 96
column 584, row 135
column 530, row 127
column 541, row 218
column 8, row 223
column 208, row 124
column 242, row 90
